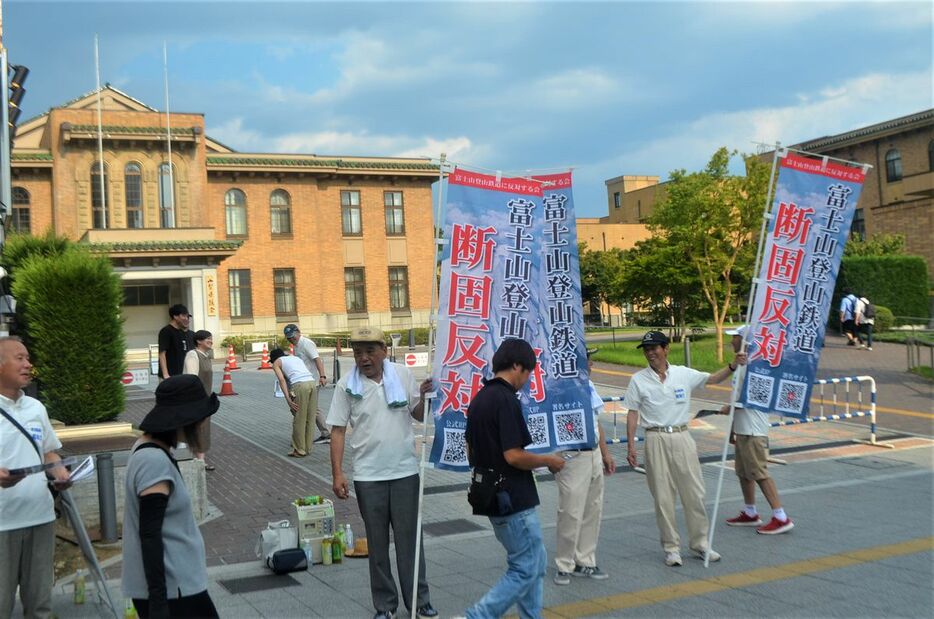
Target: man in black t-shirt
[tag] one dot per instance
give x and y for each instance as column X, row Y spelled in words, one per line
column 175, row 340
column 496, row 436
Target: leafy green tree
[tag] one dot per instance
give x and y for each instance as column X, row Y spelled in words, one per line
column 712, row 219
column 655, row 273
column 72, row 305
column 599, row 272
column 878, row 245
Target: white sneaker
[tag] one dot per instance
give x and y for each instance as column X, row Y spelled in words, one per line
column 672, row 559
column 714, row 555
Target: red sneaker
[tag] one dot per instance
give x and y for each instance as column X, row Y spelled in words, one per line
column 776, row 526
column 744, row 520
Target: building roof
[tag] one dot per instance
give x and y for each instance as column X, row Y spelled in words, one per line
column 162, row 246
column 313, row 161
column 127, row 129
column 862, row 134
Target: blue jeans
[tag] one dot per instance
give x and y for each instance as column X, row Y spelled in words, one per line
column 522, row 584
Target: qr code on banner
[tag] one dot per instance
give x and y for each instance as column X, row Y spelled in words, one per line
column 791, row 396
column 759, row 391
column 569, row 427
column 538, row 428
column 454, row 452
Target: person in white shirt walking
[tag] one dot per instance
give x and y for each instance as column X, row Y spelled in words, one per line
column 307, row 351
column 751, row 429
column 659, row 397
column 865, row 321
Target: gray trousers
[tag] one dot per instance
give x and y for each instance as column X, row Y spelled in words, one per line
column 392, row 503
column 26, row 560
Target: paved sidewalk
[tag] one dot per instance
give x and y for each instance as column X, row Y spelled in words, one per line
column 842, row 499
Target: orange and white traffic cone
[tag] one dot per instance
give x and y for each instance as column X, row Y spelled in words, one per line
column 265, row 365
column 231, row 359
column 292, row 349
column 227, row 386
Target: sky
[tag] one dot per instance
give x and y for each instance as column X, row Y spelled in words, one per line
column 606, row 88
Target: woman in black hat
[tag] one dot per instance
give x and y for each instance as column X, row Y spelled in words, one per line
column 164, row 567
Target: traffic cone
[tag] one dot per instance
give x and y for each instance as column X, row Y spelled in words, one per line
column 231, row 359
column 292, row 349
column 227, row 386
column 265, row 365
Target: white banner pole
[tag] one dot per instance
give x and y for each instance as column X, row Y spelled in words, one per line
column 426, row 411
column 734, row 394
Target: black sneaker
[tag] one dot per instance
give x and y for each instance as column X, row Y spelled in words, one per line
column 427, row 611
column 590, row 572
column 321, row 440
column 383, row 614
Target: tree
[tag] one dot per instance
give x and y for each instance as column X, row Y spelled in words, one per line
column 712, row 218
column 878, row 245
column 599, row 271
column 654, row 273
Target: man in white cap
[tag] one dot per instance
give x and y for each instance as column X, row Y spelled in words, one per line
column 751, row 429
column 659, row 397
column 306, row 350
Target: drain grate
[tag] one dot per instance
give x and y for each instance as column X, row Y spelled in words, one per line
column 259, row 583
column 873, row 463
column 451, row 527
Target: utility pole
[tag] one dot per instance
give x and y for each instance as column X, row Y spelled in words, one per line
column 5, row 172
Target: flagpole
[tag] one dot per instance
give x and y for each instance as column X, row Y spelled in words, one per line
column 426, row 410
column 100, row 137
column 737, row 387
column 170, row 220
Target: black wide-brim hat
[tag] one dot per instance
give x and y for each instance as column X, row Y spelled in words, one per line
column 180, row 401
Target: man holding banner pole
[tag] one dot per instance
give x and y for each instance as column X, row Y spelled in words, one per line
column 659, row 397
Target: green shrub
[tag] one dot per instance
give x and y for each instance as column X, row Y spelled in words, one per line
column 324, row 340
column 72, row 304
column 899, row 283
column 884, row 320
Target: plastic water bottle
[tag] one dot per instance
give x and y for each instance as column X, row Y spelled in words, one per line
column 129, row 610
column 306, row 546
column 348, row 536
column 327, row 555
column 79, row 587
column 337, row 547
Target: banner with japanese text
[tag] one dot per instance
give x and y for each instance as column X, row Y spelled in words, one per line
column 510, row 269
column 810, row 222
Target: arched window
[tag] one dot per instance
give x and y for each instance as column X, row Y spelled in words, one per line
column 133, row 181
column 931, row 156
column 235, row 208
column 167, row 195
column 20, row 219
column 893, row 165
column 280, row 210
column 100, row 202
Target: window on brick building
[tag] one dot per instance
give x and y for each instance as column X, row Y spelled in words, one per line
column 133, row 182
column 241, row 295
column 167, row 195
column 235, row 212
column 931, row 156
column 351, row 217
column 617, row 199
column 20, row 217
column 893, row 165
column 399, row 288
column 355, row 289
column 100, row 201
column 280, row 211
column 283, row 282
column 395, row 216
column 858, row 228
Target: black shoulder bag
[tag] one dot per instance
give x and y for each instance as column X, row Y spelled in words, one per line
column 484, row 485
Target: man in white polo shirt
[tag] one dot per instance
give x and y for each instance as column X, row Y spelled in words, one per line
column 751, row 429
column 659, row 399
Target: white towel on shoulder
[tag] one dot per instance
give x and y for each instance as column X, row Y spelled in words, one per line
column 392, row 386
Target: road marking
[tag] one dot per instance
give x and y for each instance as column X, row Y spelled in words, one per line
column 880, row 409
column 737, row 580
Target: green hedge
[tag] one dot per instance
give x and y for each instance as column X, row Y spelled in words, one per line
column 899, row 283
column 72, row 306
column 884, row 320
column 326, row 340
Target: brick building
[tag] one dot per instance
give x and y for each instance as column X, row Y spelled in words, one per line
column 898, row 193
column 248, row 241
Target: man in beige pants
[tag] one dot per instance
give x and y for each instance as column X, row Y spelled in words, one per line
column 659, row 399
column 580, row 501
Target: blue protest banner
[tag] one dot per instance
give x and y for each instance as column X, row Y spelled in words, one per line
column 810, row 221
column 510, row 269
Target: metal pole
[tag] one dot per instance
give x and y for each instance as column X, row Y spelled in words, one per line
column 170, row 219
column 427, row 412
column 106, row 497
column 736, row 386
column 687, row 350
column 336, row 373
column 6, row 191
column 100, row 139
